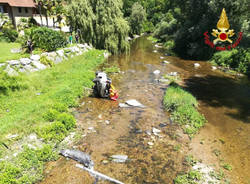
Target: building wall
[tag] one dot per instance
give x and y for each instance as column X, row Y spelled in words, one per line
column 23, row 14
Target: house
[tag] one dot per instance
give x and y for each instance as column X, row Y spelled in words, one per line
column 17, row 9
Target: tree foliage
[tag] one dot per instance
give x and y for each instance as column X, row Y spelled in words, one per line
column 137, row 18
column 100, row 23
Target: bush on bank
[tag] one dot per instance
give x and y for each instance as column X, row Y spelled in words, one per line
column 238, row 59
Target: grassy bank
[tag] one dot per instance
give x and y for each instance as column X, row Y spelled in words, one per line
column 40, row 102
column 5, row 51
column 182, row 106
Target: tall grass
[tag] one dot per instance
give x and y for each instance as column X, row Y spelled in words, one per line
column 182, row 106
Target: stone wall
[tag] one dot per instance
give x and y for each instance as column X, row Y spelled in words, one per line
column 32, row 64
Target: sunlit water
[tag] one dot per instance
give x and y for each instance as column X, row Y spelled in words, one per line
column 224, row 101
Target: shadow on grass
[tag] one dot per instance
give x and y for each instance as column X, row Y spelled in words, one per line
column 219, row 91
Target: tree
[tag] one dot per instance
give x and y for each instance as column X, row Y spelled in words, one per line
column 101, row 23
column 137, row 18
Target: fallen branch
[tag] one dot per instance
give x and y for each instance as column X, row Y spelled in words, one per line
column 97, row 174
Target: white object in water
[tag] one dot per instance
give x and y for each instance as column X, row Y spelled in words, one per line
column 134, row 103
column 196, row 65
column 166, row 62
column 157, row 72
column 155, row 51
column 161, row 57
column 214, row 68
column 123, row 105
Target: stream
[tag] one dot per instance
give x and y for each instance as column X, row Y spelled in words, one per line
column 107, row 129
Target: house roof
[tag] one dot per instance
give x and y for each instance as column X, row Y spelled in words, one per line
column 19, row 3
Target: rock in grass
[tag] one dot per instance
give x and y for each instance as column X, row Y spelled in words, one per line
column 35, row 57
column 10, row 71
column 134, row 103
column 39, row 65
column 119, row 158
column 25, row 61
column 13, row 62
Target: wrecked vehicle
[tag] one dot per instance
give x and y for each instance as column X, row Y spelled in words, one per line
column 103, row 87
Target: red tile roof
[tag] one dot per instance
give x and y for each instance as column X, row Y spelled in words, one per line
column 19, row 3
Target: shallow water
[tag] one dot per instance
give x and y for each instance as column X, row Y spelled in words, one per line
column 224, row 101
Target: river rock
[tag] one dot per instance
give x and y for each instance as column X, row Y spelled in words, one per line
column 119, row 158
column 157, row 72
column 123, row 105
column 156, row 131
column 166, row 62
column 150, row 143
column 155, row 51
column 173, row 73
column 13, row 62
column 25, row 61
column 158, row 46
column 214, row 68
column 162, row 57
column 134, row 103
column 196, row 65
column 39, row 65
column 35, row 57
column 148, row 132
column 10, row 71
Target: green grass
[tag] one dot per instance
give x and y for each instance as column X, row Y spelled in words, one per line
column 5, row 52
column 175, row 97
column 22, row 111
column 42, row 107
column 182, row 106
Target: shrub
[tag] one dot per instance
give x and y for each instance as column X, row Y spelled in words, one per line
column 239, row 59
column 10, row 83
column 53, row 132
column 48, row 39
column 9, row 34
column 60, row 107
column 68, row 120
column 51, row 115
column 46, row 153
column 175, row 96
